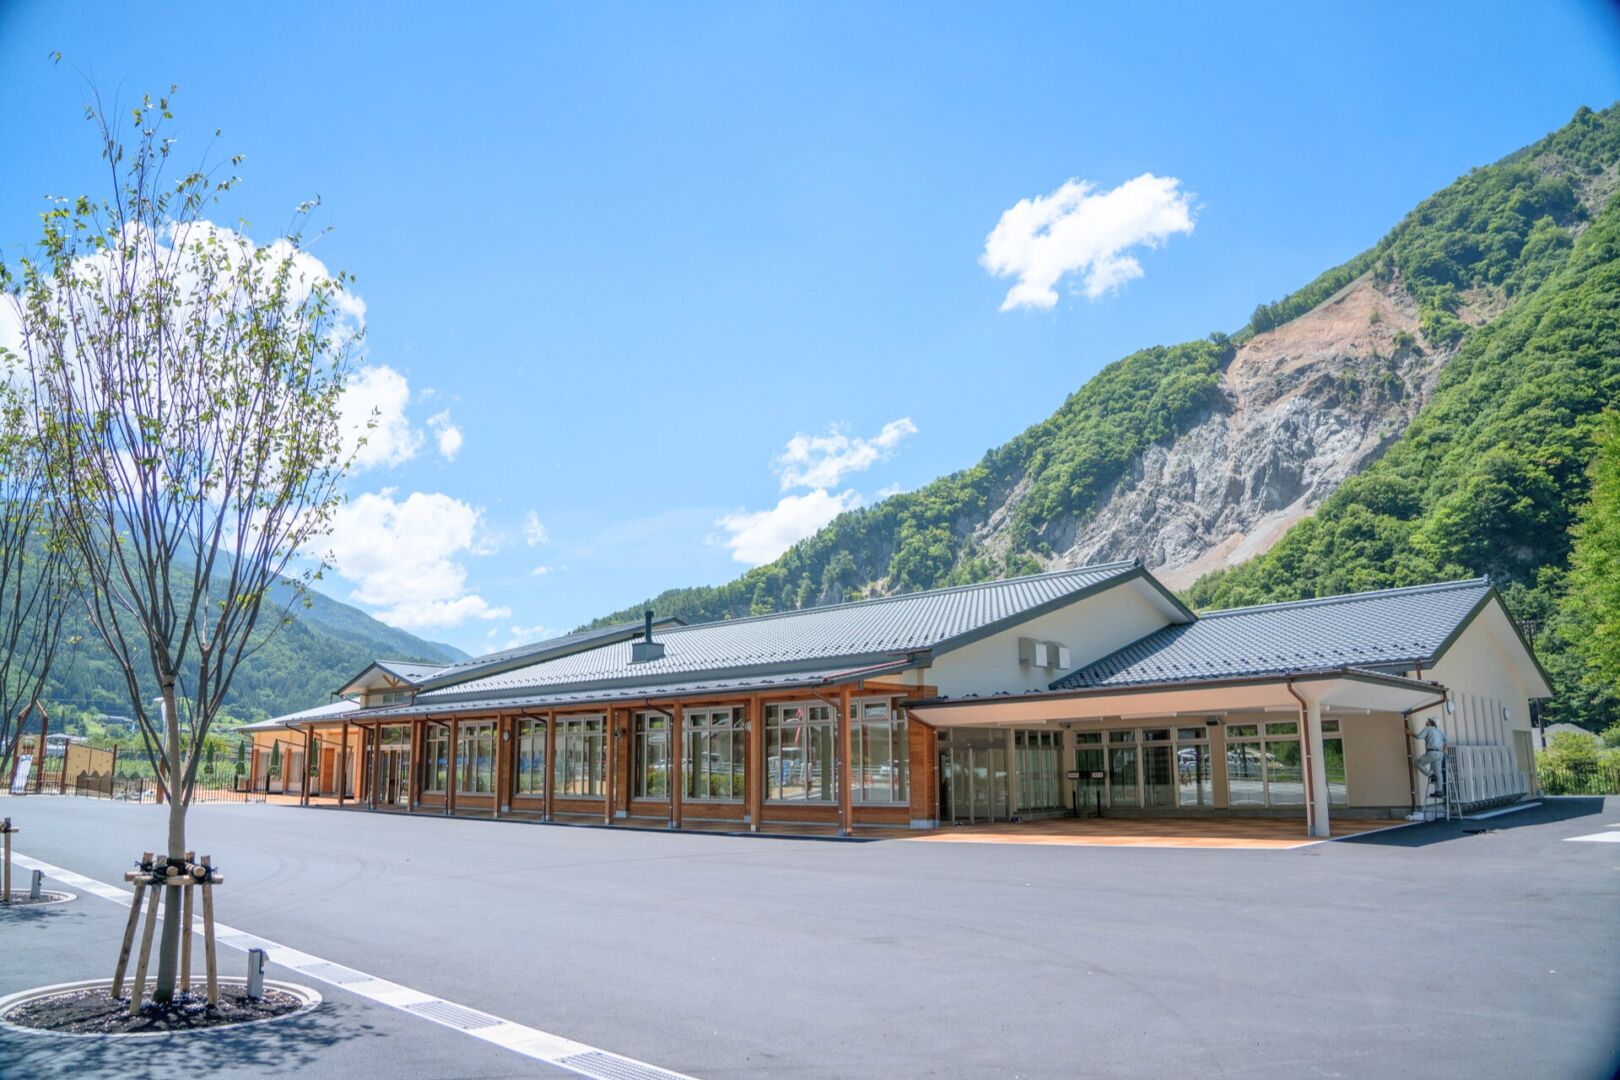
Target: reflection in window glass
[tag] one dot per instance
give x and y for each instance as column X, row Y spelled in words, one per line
column 880, row 769
column 1285, row 775
column 712, row 755
column 531, row 757
column 799, row 763
column 651, row 755
column 1039, row 758
column 1122, row 775
column 581, row 760
column 436, row 757
column 1193, row 774
column 475, row 758
column 1333, row 759
column 1245, row 774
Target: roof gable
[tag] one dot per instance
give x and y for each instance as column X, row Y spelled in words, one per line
column 1386, row 628
column 527, row 655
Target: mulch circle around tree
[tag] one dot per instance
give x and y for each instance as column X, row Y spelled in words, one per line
column 46, row 896
column 90, row 1009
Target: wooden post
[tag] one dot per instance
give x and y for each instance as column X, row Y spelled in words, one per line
column 303, row 780
column 413, row 783
column 185, row 927
column 343, row 766
column 754, row 759
column 498, row 755
column 44, row 731
column 146, row 950
column 610, row 736
column 113, row 769
column 845, row 822
column 5, row 877
column 454, row 780
column 677, row 763
column 551, row 762
column 129, row 932
column 208, row 931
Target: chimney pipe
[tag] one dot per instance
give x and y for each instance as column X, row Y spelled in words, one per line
column 646, row 649
column 647, row 618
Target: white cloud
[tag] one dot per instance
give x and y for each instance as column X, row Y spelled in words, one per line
column 528, row 635
column 890, row 489
column 447, row 435
column 761, row 536
column 540, row 571
column 378, row 394
column 534, row 532
column 821, row 461
column 1079, row 230
column 402, row 557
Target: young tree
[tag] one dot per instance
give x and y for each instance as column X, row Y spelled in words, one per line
column 187, row 387
column 37, row 578
column 1592, row 586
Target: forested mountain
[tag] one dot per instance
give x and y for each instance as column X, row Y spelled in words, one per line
column 1425, row 410
column 299, row 664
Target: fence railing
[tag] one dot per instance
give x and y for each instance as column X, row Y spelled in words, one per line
column 1586, row 778
column 130, row 787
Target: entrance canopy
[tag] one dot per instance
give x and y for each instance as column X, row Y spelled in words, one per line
column 1346, row 689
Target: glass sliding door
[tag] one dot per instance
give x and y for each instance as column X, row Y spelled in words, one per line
column 1122, row 762
column 1091, row 788
column 1158, row 777
column 1193, row 767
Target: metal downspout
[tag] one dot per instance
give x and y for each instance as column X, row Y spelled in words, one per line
column 1305, row 753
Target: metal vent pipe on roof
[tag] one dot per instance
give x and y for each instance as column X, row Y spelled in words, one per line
column 646, row 649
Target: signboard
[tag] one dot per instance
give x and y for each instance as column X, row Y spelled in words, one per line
column 19, row 777
column 1074, row 774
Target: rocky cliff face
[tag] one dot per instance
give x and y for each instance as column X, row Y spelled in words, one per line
column 1303, row 407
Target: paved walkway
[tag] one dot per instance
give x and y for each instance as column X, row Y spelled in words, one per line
column 1213, row 833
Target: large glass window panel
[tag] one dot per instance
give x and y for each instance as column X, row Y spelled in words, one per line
column 475, row 758
column 1193, row 775
column 713, row 747
column 1285, row 773
column 1333, row 759
column 1245, row 774
column 581, row 761
column 799, row 760
column 1089, row 789
column 651, row 756
column 879, row 771
column 1122, row 776
column 1038, row 764
column 1158, row 776
column 531, row 757
column 436, row 758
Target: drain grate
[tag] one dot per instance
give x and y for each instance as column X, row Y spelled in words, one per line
column 454, row 1015
column 335, row 973
column 605, row 1066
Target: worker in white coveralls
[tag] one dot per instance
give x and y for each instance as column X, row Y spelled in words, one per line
column 1434, row 752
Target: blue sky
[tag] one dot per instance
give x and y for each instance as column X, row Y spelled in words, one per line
column 650, row 289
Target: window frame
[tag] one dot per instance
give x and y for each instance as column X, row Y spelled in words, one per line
column 529, row 732
column 591, row 730
column 711, row 727
column 897, row 738
column 810, row 722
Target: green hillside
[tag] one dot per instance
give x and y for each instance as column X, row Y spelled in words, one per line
column 298, row 666
column 1488, row 479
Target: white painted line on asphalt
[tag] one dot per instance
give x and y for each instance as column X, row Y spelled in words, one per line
column 1514, row 809
column 1597, row 837
column 558, row 1050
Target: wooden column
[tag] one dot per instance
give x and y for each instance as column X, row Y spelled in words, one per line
column 677, row 769
column 845, row 814
column 343, row 766
column 413, row 783
column 754, row 763
column 497, row 753
column 303, row 779
column 253, row 766
column 454, row 780
column 610, row 731
column 551, row 763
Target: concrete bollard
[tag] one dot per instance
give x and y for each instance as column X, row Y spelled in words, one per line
column 33, row 886
column 255, row 974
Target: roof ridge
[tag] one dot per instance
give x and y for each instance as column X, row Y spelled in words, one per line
column 1340, row 598
column 1118, row 564
column 492, row 657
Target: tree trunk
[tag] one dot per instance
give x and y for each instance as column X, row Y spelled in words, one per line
column 169, row 946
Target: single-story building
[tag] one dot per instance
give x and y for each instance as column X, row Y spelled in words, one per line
column 1091, row 689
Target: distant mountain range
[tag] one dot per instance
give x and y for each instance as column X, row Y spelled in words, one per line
column 300, row 665
column 1425, row 410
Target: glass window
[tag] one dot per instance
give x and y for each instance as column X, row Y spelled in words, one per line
column 475, row 758
column 1245, row 772
column 1329, row 725
column 799, row 762
column 436, row 758
column 1122, row 736
column 1191, row 734
column 1289, row 728
column 1121, row 773
column 1333, row 759
column 581, row 757
column 1156, row 735
column 531, row 757
column 880, row 761
column 1241, row 731
column 1039, row 757
column 651, row 755
column 1193, row 768
column 1088, row 736
column 1285, row 773
column 714, row 742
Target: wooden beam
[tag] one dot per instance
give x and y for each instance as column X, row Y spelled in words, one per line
column 677, row 764
column 610, row 733
column 343, row 765
column 303, row 779
column 454, row 780
column 413, row 784
column 551, row 763
column 754, row 762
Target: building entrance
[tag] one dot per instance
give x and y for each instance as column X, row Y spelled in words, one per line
column 973, row 786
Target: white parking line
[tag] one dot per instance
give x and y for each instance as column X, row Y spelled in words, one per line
column 564, row 1053
column 1598, row 837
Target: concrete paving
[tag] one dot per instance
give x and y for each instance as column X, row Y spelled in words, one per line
column 1422, row 952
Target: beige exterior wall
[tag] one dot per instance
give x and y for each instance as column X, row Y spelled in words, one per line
column 1485, row 672
column 1091, row 628
column 1377, row 769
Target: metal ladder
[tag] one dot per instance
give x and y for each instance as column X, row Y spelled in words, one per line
column 1444, row 806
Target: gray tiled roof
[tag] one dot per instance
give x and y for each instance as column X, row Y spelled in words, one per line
column 845, row 634
column 1391, row 627
column 525, row 655
column 330, row 711
column 410, row 670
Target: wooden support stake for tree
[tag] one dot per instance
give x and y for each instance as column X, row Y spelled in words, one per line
column 208, row 932
column 5, row 878
column 185, row 927
column 129, row 932
column 156, row 902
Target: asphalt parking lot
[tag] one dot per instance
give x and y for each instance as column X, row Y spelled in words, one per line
column 1422, row 952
